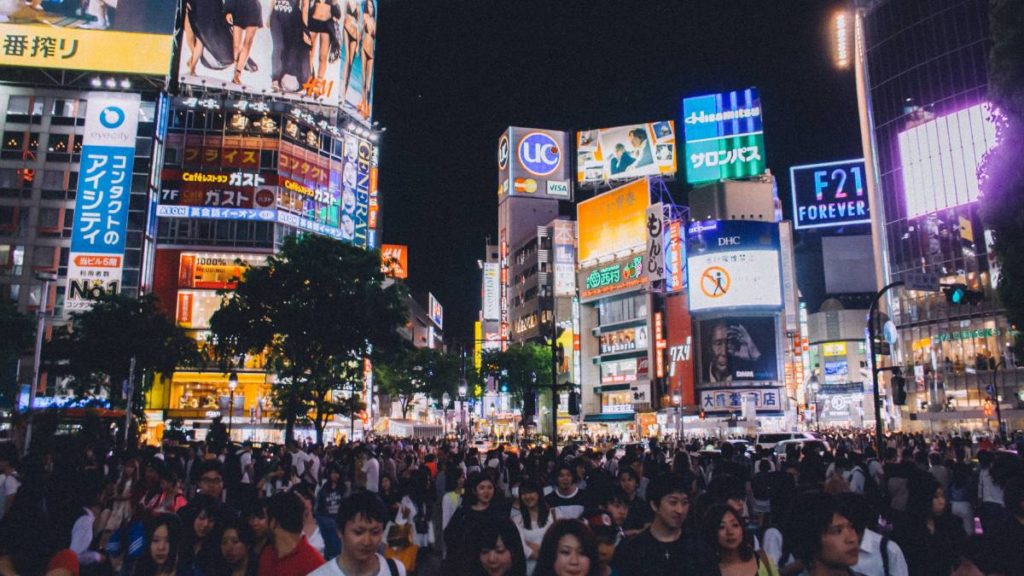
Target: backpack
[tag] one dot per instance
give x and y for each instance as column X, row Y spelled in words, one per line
column 883, row 547
column 393, row 568
column 872, row 491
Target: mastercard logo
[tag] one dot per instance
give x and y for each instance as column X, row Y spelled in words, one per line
column 525, row 185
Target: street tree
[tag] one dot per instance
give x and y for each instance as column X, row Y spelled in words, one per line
column 523, row 367
column 95, row 350
column 318, row 309
column 418, row 371
column 1002, row 175
column 18, row 330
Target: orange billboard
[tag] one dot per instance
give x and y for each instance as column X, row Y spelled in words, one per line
column 613, row 221
column 394, row 260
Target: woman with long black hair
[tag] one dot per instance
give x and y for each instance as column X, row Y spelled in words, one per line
column 569, row 549
column 494, row 550
column 533, row 521
column 163, row 544
column 478, row 508
column 930, row 536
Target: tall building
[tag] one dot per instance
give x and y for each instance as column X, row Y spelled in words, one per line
column 927, row 81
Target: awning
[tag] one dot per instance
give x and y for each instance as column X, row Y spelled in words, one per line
column 623, row 417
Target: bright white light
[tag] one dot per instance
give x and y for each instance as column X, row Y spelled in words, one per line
column 96, row 82
column 126, row 84
column 111, row 83
column 841, row 36
column 940, row 159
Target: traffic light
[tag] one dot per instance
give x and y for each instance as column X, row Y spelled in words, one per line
column 988, row 408
column 504, row 387
column 529, row 404
column 574, row 404
column 702, row 415
column 899, row 389
column 960, row 294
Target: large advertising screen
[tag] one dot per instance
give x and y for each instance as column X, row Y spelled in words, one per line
column 738, row 349
column 271, row 47
column 680, row 354
column 626, row 152
column 100, row 228
column 829, row 194
column 724, row 136
column 394, row 260
column 533, row 162
column 940, row 159
column 613, row 221
column 733, row 264
column 128, row 37
column 215, row 271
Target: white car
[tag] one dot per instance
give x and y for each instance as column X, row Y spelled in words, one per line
column 782, row 447
column 768, row 440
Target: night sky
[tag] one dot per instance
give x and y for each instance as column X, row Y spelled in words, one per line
column 451, row 76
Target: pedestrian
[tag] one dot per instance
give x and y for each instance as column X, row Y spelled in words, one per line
column 824, row 539
column 236, row 554
column 360, row 525
column 569, row 549
column 665, row 548
column 496, row 550
column 288, row 553
column 724, row 534
column 163, row 543
column 533, row 520
column 929, row 535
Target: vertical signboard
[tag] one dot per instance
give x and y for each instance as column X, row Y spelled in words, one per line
column 435, row 310
column 491, row 292
column 675, row 259
column 364, row 160
column 564, row 246
column 656, row 236
column 101, row 206
column 724, row 136
column 680, row 350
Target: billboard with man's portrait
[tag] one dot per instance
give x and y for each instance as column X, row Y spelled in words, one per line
column 738, row 349
column 626, row 152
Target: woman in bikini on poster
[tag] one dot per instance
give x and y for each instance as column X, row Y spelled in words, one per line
column 369, row 40
column 245, row 17
column 322, row 22
column 350, row 42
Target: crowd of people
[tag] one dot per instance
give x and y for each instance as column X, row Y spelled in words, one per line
column 935, row 505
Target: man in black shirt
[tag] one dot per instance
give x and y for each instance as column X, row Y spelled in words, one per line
column 665, row 548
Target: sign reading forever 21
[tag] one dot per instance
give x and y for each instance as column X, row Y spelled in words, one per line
column 829, row 194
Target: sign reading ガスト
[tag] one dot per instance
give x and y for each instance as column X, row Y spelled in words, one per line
column 101, row 206
column 724, row 136
column 829, row 194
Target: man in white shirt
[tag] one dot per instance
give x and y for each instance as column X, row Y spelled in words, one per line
column 82, row 531
column 371, row 471
column 8, row 479
column 360, row 521
column 878, row 556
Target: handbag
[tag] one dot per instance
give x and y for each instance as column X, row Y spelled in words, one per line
column 322, row 11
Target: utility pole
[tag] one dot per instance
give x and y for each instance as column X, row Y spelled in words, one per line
column 872, row 332
column 44, row 297
column 554, row 378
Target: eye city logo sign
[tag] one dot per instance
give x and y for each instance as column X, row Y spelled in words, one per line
column 539, row 153
column 112, row 117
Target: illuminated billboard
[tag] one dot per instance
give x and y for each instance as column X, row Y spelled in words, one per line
column 130, row 38
column 733, row 264
column 829, row 194
column 491, row 291
column 534, row 163
column 234, row 195
column 679, row 350
column 325, row 58
column 435, row 310
column 940, row 159
column 724, row 136
column 564, row 247
column 100, row 228
column 215, row 271
column 626, row 152
column 613, row 221
column 605, row 280
column 623, row 340
column 394, row 260
column 738, row 349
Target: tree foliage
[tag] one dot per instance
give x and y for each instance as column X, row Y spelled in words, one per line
column 415, row 371
column 95, row 350
column 18, row 331
column 1002, row 175
column 521, row 367
column 317, row 309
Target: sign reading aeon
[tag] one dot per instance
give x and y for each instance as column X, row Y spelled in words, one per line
column 101, row 206
column 733, row 264
column 724, row 136
column 829, row 194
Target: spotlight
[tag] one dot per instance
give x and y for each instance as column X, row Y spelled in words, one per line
column 126, row 84
column 111, row 83
column 96, row 82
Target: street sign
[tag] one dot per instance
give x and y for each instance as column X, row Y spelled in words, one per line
column 921, row 281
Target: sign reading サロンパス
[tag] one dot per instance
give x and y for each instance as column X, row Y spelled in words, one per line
column 829, row 194
column 724, row 136
column 101, row 207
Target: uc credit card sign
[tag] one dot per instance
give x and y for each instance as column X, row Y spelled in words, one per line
column 101, row 206
column 724, row 136
column 534, row 162
column 829, row 194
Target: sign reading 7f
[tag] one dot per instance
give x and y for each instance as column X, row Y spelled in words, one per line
column 829, row 194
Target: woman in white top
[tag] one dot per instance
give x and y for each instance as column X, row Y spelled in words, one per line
column 413, row 503
column 456, row 483
column 533, row 521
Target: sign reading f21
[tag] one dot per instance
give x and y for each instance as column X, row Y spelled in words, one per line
column 829, row 194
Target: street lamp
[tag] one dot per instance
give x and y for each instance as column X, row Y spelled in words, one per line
column 44, row 297
column 463, row 398
column 815, row 386
column 232, row 385
column 444, row 400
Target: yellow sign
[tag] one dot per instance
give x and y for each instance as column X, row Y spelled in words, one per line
column 613, row 221
column 478, row 348
column 833, row 349
column 44, row 45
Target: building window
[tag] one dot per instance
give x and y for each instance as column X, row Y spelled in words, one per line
column 25, row 109
column 49, row 219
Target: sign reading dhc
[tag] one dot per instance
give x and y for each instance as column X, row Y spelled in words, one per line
column 829, row 194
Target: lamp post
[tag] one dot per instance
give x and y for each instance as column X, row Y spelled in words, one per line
column 44, row 297
column 463, row 392
column 815, row 386
column 444, row 401
column 232, row 385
